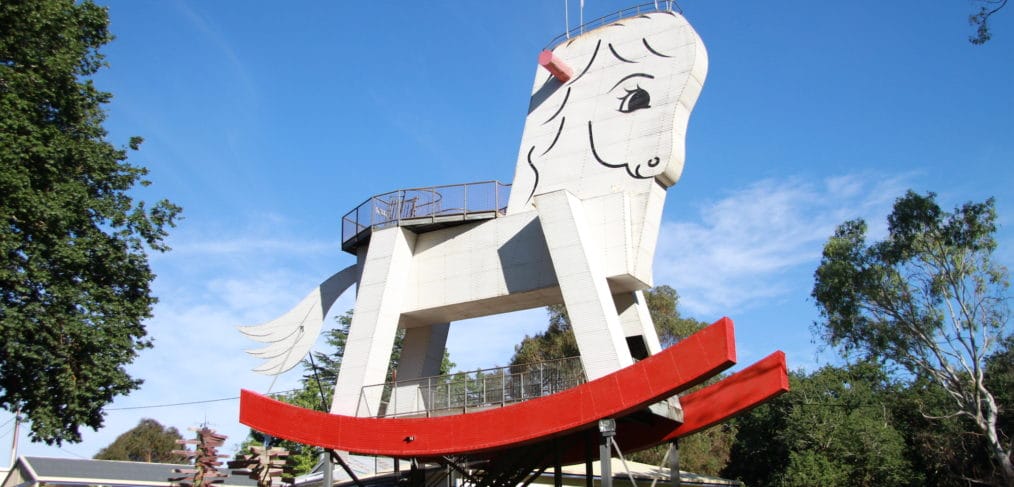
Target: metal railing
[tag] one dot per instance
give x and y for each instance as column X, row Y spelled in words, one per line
column 423, row 205
column 657, row 6
column 462, row 392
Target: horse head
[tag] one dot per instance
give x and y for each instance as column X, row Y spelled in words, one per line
column 618, row 122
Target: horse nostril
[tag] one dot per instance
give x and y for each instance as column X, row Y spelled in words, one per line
column 653, row 162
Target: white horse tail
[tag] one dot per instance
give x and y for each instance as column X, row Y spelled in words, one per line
column 291, row 335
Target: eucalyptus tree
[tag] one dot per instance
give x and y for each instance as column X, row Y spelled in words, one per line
column 980, row 19
column 928, row 298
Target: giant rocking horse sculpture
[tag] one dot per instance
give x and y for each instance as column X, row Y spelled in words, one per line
column 603, row 140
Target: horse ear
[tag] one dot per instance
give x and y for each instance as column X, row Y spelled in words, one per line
column 555, row 66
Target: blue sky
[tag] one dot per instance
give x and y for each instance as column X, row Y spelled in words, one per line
column 267, row 122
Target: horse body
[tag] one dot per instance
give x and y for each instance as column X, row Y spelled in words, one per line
column 597, row 154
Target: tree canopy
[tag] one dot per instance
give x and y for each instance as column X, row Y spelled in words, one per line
column 705, row 452
column 558, row 340
column 148, row 442
column 835, row 427
column 74, row 277
column 928, row 298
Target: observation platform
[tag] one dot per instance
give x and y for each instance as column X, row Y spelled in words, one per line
column 424, row 210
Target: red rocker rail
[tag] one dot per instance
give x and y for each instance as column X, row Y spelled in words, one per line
column 618, row 395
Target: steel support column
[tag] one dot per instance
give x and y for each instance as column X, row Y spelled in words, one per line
column 607, row 429
column 674, row 462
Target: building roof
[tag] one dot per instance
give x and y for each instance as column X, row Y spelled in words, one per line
column 28, row 471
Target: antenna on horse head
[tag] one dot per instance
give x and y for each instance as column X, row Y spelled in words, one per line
column 566, row 18
column 582, row 17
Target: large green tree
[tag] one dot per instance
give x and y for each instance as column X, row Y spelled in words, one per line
column 928, row 298
column 148, row 442
column 835, row 427
column 74, row 275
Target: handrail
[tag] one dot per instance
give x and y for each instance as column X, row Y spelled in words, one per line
column 656, row 6
column 422, row 206
column 462, row 392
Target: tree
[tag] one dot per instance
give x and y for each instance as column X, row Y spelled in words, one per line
column 928, row 298
column 949, row 449
column 663, row 302
column 74, row 276
column 834, row 427
column 148, row 442
column 980, row 19
column 317, row 386
column 301, row 457
column 324, row 366
column 705, row 452
column 558, row 340
column 945, row 449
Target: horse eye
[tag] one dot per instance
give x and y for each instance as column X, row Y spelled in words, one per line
column 635, row 99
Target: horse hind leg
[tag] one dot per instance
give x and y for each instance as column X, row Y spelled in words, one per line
column 638, row 327
column 422, row 354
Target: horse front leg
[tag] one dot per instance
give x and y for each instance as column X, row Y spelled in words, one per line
column 379, row 304
column 577, row 262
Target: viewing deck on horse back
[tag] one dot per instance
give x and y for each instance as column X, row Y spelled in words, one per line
column 424, row 209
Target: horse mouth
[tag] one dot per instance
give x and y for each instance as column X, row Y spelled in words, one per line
column 634, row 172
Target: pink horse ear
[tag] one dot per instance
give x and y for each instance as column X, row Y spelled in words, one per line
column 555, row 65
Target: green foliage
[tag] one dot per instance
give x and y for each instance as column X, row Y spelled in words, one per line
column 980, row 19
column 939, row 444
column 946, row 446
column 834, row 427
column 325, row 365
column 555, row 343
column 319, row 378
column 808, row 468
column 669, row 323
column 74, row 278
column 928, row 298
column 148, row 442
column 558, row 340
column 705, row 452
column 760, row 453
column 302, row 457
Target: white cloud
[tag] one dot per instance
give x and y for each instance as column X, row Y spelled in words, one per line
column 738, row 250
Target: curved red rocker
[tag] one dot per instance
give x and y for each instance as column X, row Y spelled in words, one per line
column 624, row 393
